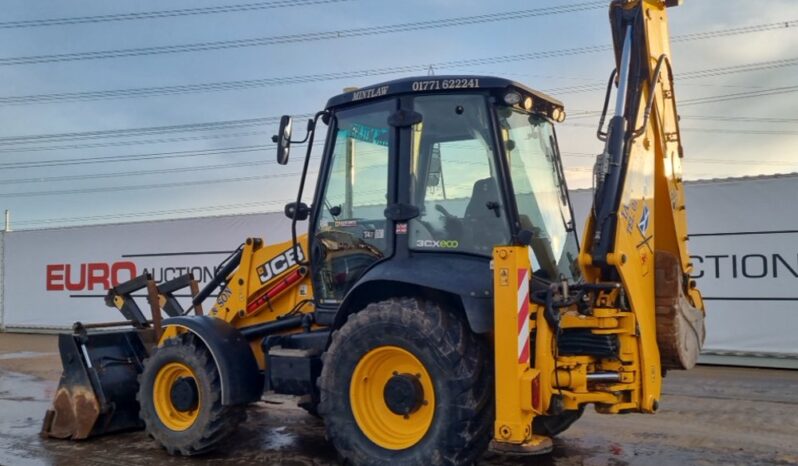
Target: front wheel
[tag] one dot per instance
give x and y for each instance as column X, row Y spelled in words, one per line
column 405, row 382
column 180, row 397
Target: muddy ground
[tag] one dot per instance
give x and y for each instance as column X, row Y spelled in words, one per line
column 711, row 415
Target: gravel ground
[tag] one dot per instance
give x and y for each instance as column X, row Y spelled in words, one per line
column 710, row 415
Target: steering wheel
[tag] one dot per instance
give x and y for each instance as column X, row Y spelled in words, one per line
column 443, row 211
column 452, row 224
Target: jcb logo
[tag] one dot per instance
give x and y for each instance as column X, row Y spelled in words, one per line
column 280, row 264
column 438, row 244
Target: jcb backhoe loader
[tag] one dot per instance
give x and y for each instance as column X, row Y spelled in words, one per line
column 439, row 301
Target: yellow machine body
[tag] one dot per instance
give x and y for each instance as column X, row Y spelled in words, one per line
column 269, row 282
column 631, row 290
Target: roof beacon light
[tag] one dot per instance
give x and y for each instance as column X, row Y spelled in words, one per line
column 512, row 98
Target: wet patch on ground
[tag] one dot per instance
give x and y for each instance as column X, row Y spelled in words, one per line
column 711, row 415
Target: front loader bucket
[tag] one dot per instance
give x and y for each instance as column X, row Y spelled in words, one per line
column 97, row 391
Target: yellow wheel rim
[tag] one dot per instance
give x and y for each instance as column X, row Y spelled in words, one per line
column 169, row 415
column 366, row 395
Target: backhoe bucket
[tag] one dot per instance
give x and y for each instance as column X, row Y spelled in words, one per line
column 97, row 391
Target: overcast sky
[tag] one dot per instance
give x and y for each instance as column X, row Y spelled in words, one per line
column 737, row 137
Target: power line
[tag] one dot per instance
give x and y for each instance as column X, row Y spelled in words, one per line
column 131, row 157
column 197, row 183
column 225, row 207
column 208, row 126
column 743, row 119
column 691, row 160
column 257, row 163
column 286, row 80
column 130, row 143
column 711, row 72
column 127, row 132
column 734, row 31
column 705, row 100
column 303, row 37
column 160, row 171
column 718, row 130
column 303, row 79
column 252, row 148
column 131, row 132
column 217, row 125
column 161, row 13
column 741, row 95
column 238, row 150
column 579, row 115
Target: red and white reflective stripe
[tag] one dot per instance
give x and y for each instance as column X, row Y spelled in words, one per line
column 523, row 316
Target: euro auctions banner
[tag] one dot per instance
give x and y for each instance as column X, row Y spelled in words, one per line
column 744, row 247
column 55, row 277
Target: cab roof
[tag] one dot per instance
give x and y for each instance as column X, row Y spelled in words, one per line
column 438, row 85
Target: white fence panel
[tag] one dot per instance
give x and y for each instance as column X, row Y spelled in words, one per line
column 55, row 277
column 744, row 243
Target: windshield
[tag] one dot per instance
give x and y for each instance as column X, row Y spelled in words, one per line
column 540, row 192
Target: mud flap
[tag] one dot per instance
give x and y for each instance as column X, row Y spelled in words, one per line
column 97, row 391
column 680, row 325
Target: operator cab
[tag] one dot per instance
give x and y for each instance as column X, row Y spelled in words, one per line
column 437, row 165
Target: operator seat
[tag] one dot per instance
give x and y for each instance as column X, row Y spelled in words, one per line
column 483, row 228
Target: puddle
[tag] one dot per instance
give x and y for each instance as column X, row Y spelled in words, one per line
column 23, row 401
column 279, row 439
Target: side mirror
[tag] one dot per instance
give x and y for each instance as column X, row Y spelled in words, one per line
column 283, row 140
column 297, row 212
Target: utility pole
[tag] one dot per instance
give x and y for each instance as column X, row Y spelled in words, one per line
column 6, row 229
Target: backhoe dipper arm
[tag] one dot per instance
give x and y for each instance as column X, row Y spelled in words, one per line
column 637, row 233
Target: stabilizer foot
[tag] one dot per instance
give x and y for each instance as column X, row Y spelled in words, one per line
column 537, row 445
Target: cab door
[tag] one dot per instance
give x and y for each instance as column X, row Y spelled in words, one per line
column 349, row 232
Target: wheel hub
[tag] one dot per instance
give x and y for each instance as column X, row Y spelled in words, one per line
column 176, row 396
column 403, row 394
column 184, row 394
column 392, row 397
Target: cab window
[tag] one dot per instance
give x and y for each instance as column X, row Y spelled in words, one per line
column 454, row 181
column 350, row 230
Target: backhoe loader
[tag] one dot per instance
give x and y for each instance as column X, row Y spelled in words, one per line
column 439, row 303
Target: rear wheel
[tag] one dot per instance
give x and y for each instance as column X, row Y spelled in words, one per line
column 404, row 383
column 181, row 400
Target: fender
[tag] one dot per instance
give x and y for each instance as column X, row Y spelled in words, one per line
column 242, row 381
column 468, row 277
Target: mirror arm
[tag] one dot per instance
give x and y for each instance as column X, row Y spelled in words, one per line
column 309, row 138
column 311, row 128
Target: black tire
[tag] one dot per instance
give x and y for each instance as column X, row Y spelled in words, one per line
column 459, row 366
column 214, row 421
column 310, row 403
column 556, row 424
